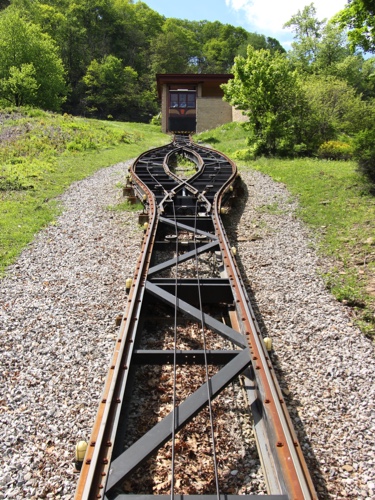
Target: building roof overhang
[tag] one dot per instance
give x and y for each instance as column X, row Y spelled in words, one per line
column 191, row 79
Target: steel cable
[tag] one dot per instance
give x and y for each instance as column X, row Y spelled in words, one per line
column 174, row 361
column 208, row 381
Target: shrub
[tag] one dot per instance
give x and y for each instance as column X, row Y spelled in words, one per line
column 244, row 154
column 335, row 150
column 156, row 120
column 364, row 152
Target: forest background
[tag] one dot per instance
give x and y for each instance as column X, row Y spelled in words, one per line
column 100, row 56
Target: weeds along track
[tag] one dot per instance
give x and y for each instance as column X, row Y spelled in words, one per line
column 191, row 405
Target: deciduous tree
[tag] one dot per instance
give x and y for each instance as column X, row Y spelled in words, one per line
column 334, row 108
column 21, row 86
column 174, row 50
column 359, row 18
column 267, row 89
column 113, row 90
column 26, row 53
column 308, row 33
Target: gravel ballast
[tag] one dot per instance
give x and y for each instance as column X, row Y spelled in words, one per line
column 58, row 308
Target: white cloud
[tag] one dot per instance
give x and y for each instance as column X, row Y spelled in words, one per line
column 268, row 16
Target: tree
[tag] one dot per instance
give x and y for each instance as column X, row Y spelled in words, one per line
column 217, row 56
column 220, row 49
column 260, row 42
column 113, row 90
column 330, row 50
column 110, row 88
column 29, row 55
column 308, row 32
column 21, row 87
column 274, row 45
column 266, row 88
column 359, row 18
column 141, row 39
column 174, row 50
column 359, row 73
column 334, row 108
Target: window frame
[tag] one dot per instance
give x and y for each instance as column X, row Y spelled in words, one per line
column 182, row 99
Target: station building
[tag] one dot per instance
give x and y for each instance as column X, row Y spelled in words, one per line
column 194, row 102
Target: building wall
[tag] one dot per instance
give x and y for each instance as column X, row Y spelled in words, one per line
column 164, row 109
column 238, row 116
column 212, row 112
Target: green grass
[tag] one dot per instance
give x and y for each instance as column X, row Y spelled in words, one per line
column 41, row 154
column 229, row 138
column 183, row 167
column 337, row 204
column 126, row 206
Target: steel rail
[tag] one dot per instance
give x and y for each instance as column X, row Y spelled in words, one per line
column 191, row 207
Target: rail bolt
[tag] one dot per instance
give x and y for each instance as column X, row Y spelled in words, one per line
column 268, row 343
column 128, row 284
column 81, row 448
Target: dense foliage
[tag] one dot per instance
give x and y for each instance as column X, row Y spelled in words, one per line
column 31, row 71
column 266, row 87
column 318, row 99
column 359, row 17
column 100, row 57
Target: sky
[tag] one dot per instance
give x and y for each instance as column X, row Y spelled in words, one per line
column 265, row 17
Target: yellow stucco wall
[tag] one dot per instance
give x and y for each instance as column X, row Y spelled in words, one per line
column 212, row 112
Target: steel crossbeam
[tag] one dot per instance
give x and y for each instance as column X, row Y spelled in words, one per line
column 180, row 225
column 142, row 449
column 195, row 313
column 182, row 258
column 209, row 291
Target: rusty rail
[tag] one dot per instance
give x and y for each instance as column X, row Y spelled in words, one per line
column 192, row 207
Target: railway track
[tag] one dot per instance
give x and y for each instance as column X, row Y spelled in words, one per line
column 187, row 314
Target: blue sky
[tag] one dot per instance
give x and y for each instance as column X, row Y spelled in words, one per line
column 259, row 16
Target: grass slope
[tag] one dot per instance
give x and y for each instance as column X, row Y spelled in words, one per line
column 41, row 154
column 337, row 204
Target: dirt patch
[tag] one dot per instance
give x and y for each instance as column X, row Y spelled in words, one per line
column 370, row 288
column 8, row 132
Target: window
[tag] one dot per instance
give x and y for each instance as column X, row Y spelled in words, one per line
column 182, row 100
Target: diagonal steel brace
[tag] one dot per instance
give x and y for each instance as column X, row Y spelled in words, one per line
column 219, row 327
column 156, row 437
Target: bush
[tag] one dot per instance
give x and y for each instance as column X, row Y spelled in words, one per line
column 156, row 120
column 335, row 150
column 364, row 152
column 243, row 155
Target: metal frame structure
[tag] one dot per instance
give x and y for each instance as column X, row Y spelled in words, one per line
column 176, row 206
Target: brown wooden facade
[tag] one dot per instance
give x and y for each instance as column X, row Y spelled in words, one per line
column 193, row 102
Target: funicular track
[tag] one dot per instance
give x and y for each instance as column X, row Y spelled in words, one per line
column 172, row 294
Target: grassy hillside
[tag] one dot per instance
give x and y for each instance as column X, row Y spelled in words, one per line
column 337, row 204
column 41, row 154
